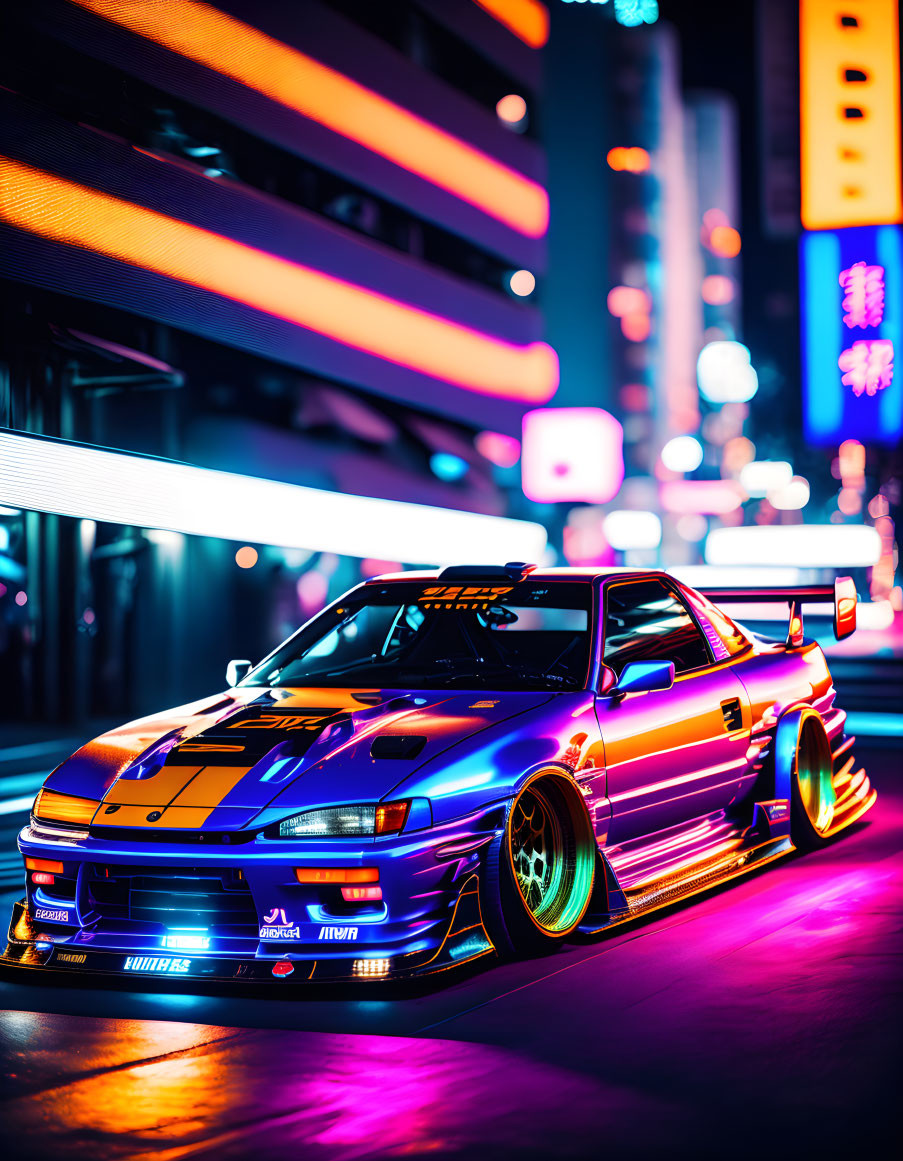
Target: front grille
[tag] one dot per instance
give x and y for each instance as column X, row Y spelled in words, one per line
column 217, row 899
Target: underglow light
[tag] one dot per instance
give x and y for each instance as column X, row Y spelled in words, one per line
column 522, row 283
column 868, row 366
column 633, row 159
column 802, row 545
column 501, row 450
column 74, row 480
column 706, row 497
column 217, row 40
column 683, row 453
column 725, row 372
column 527, row 19
column 849, row 165
column 571, row 454
column 760, row 477
column 863, row 301
column 627, row 529
column 448, row 467
column 511, row 109
column 76, row 215
column 246, row 557
column 791, row 496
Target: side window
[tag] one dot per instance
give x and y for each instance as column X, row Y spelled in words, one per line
column 644, row 621
column 731, row 639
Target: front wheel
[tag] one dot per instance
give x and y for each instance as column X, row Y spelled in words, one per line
column 538, row 874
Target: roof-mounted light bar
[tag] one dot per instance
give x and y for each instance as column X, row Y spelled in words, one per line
column 47, row 475
column 283, row 74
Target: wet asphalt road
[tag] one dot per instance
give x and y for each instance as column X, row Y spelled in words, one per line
column 763, row 1019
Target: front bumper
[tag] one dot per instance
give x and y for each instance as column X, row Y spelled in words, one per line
column 131, row 908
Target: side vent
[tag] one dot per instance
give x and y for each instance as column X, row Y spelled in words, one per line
column 397, row 746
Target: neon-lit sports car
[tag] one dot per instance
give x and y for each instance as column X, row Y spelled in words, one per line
column 437, row 767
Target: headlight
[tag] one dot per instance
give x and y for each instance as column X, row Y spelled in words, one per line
column 51, row 806
column 369, row 818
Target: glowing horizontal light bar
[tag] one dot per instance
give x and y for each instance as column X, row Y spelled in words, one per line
column 527, row 19
column 95, row 484
column 48, row 205
column 710, row 497
column 702, row 576
column 283, row 74
column 803, row 545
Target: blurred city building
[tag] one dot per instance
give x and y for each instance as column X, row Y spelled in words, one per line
column 295, row 243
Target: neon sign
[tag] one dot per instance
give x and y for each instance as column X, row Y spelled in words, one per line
column 852, row 281
column 869, row 366
column 863, row 303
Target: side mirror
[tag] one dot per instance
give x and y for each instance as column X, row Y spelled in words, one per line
column 645, row 677
column 236, row 671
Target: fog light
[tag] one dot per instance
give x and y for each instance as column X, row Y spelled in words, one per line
column 44, row 878
column 282, row 968
column 371, row 967
column 362, row 894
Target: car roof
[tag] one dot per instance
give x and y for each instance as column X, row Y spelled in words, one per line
column 563, row 572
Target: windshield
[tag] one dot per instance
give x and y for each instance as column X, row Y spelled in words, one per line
column 427, row 635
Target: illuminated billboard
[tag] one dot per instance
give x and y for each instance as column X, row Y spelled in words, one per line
column 849, row 113
column 850, row 287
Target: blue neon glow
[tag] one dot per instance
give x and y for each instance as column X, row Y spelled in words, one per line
column 831, row 411
column 448, row 467
column 869, row 725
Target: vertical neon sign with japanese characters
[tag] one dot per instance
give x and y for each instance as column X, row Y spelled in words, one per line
column 852, row 333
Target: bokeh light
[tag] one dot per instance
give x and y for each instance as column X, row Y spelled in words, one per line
column 246, row 557
column 683, row 453
column 512, row 109
column 717, row 289
column 725, row 372
column 522, row 283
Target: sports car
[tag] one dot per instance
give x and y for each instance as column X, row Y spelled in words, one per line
column 442, row 766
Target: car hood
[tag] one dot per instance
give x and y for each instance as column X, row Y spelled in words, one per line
column 252, row 755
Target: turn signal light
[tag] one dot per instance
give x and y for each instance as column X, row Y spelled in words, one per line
column 337, row 874
column 64, row 807
column 44, row 865
column 362, row 894
column 390, row 817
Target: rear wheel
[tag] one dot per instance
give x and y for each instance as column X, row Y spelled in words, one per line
column 538, row 875
column 811, row 788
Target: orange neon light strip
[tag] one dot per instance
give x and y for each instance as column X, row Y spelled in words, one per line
column 53, row 207
column 527, row 19
column 212, row 38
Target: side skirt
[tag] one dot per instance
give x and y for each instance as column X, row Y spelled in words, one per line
column 701, row 876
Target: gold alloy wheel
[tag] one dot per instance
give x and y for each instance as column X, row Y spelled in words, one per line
column 552, row 852
column 814, row 776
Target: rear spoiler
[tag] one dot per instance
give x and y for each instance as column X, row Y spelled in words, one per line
column 842, row 594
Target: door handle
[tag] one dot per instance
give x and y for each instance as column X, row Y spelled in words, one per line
column 732, row 713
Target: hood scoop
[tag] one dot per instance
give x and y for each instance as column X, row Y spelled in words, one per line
column 397, row 745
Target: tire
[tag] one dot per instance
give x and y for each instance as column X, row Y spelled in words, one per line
column 539, row 871
column 811, row 788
